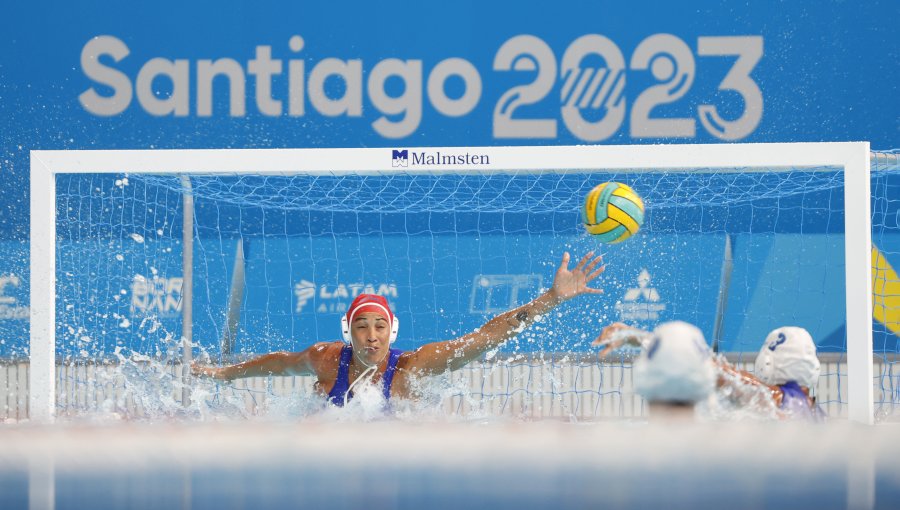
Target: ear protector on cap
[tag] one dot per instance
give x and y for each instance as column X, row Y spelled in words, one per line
column 345, row 322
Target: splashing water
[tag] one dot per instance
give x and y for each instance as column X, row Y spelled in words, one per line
column 138, row 387
column 738, row 400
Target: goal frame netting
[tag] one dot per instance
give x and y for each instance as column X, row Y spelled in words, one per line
column 852, row 158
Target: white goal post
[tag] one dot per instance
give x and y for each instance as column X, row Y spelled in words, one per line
column 851, row 157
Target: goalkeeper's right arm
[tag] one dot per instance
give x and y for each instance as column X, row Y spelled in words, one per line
column 276, row 363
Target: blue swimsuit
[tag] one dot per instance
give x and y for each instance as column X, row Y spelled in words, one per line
column 795, row 402
column 342, row 383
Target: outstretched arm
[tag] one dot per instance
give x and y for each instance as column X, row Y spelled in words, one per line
column 618, row 334
column 276, row 363
column 741, row 380
column 438, row 357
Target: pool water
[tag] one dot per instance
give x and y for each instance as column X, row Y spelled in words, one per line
column 496, row 464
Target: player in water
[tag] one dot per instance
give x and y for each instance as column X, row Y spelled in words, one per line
column 674, row 371
column 369, row 327
column 786, row 368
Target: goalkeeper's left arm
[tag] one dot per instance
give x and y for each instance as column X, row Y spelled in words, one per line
column 449, row 355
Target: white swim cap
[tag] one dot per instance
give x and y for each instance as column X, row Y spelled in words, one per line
column 789, row 354
column 675, row 366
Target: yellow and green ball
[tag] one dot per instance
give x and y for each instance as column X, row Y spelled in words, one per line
column 612, row 212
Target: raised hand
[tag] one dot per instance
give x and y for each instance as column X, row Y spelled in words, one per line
column 568, row 284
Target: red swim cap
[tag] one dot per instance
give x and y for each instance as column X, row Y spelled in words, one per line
column 370, row 303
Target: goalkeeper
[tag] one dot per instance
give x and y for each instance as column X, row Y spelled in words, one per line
column 369, row 327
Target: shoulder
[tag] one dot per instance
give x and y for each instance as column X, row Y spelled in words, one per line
column 403, row 362
column 325, row 348
column 325, row 355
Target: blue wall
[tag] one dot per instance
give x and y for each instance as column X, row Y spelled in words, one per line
column 826, row 72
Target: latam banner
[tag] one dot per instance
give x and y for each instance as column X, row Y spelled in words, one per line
column 294, row 291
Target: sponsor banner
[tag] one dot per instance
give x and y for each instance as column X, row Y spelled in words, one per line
column 158, row 296
column 337, row 298
column 442, row 287
column 407, row 158
column 130, row 295
column 641, row 303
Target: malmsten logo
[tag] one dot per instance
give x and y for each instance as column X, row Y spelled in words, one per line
column 399, row 158
column 405, row 158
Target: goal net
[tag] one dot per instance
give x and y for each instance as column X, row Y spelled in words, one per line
column 250, row 252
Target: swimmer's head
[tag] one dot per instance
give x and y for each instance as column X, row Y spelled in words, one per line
column 788, row 354
column 676, row 366
column 370, row 326
column 369, row 304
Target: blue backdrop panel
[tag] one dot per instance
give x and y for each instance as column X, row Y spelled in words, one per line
column 96, row 75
